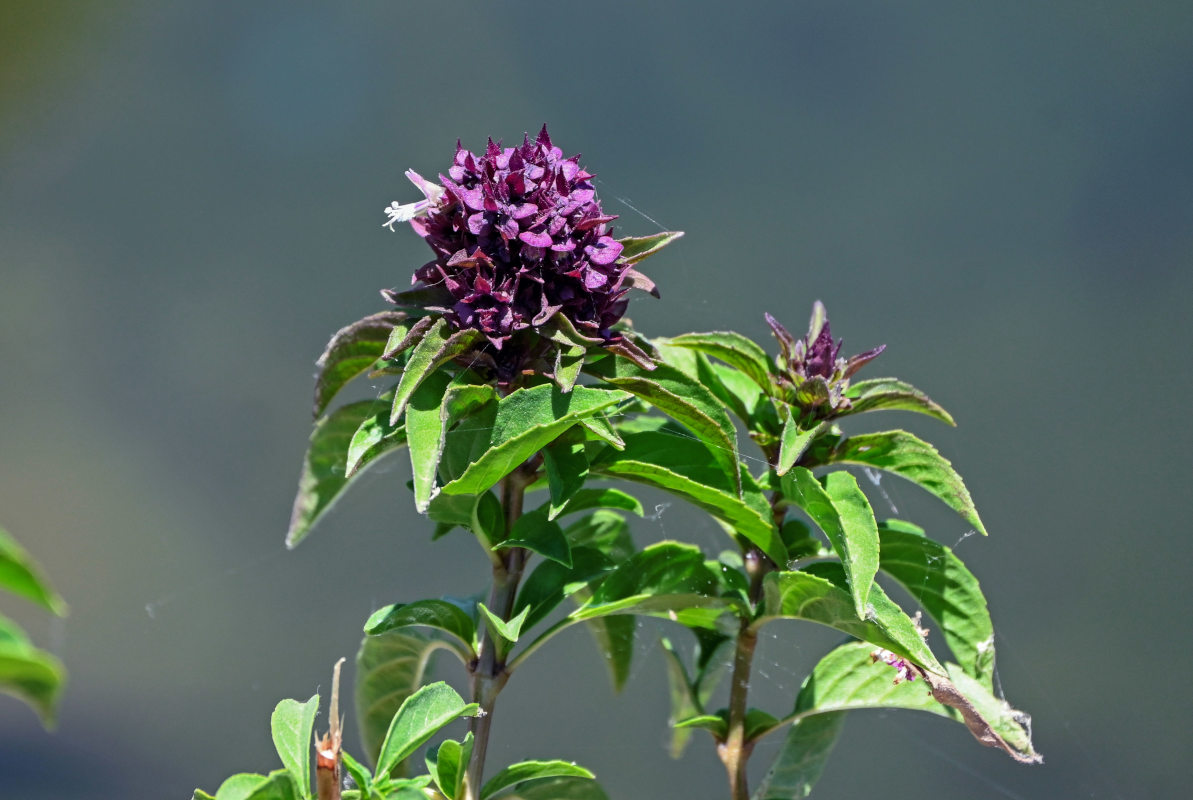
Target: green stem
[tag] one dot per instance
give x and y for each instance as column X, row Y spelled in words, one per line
column 735, row 750
column 489, row 675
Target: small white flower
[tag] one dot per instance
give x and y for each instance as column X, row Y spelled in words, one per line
column 398, row 212
column 403, row 213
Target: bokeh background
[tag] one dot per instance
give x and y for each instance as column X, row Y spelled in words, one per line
column 190, row 203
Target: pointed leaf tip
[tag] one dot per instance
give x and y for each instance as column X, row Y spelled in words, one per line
column 913, row 459
column 637, row 248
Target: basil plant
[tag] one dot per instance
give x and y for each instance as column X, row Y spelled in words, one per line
column 530, row 408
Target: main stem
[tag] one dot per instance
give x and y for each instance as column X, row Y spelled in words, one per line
column 735, row 750
column 489, row 675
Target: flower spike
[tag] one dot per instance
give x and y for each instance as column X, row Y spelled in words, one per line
column 812, row 375
column 520, row 239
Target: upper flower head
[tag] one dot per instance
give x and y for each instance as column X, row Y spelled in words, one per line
column 519, row 237
column 812, row 373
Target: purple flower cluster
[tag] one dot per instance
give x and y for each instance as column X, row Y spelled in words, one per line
column 519, row 236
column 812, row 373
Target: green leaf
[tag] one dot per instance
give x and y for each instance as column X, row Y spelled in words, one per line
column 561, row 330
column 686, row 467
column 603, row 537
column 713, row 659
column 199, row 794
column 506, row 631
column 614, row 637
column 21, row 575
column 388, row 670
column 801, row 760
column 567, row 367
column 695, row 365
column 713, row 723
column 470, row 409
column 690, row 610
column 759, row 723
column 434, row 408
column 605, row 531
column 567, row 469
column 684, row 703
column 600, row 429
column 293, row 725
column 734, row 349
column 359, row 772
column 438, row 346
column 277, row 785
column 795, row 442
column 29, row 674
column 374, row 437
column 742, row 396
column 353, row 350
column 849, row 679
column 425, row 435
column 662, row 568
column 239, row 787
column 439, row 614
column 668, row 580
column 798, row 539
column 525, row 422
column 551, row 582
column 453, row 510
column 842, row 511
column 690, row 696
column 909, row 457
column 404, row 793
column 403, row 337
column 586, row 499
column 525, row 771
column 418, row 299
column 990, row 719
column 817, row 594
column 682, row 398
column 418, row 719
column 636, row 248
column 487, row 520
column 948, row 592
column 729, row 568
column 556, row 789
column 880, row 394
column 323, row 477
column 637, row 417
column 448, row 765
column 538, row 534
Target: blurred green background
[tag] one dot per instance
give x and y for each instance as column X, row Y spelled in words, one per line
column 190, row 203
